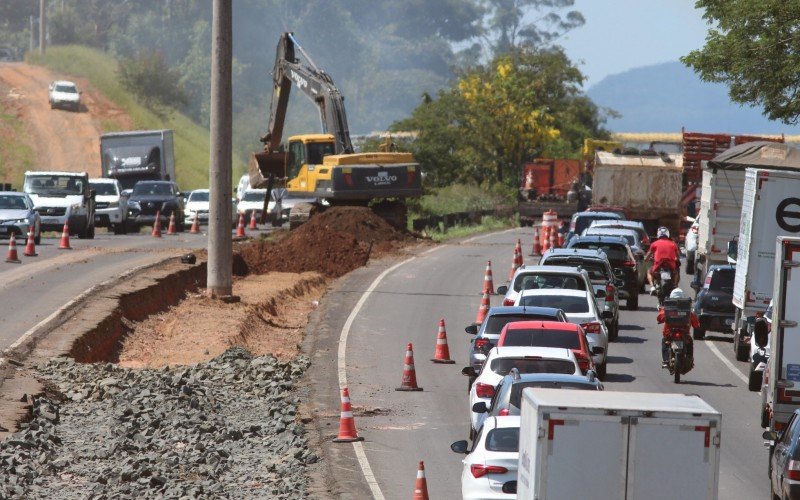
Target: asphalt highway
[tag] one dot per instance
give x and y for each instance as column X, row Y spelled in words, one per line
column 406, row 304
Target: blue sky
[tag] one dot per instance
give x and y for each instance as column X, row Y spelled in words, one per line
column 624, row 34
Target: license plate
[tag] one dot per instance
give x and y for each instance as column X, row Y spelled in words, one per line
column 49, row 220
column 728, row 321
column 666, row 275
column 677, row 344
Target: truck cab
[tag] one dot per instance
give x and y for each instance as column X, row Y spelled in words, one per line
column 63, row 197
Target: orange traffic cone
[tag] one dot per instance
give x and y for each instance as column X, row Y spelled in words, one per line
column 347, row 425
column 240, row 227
column 195, row 225
column 514, row 265
column 536, row 251
column 553, row 239
column 483, row 309
column 546, row 242
column 12, row 251
column 64, row 245
column 488, row 282
column 171, row 229
column 30, row 248
column 409, row 382
column 519, row 253
column 421, row 484
column 253, row 220
column 157, row 226
column 442, row 354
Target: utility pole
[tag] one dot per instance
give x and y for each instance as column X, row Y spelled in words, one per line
column 32, row 37
column 219, row 282
column 42, row 26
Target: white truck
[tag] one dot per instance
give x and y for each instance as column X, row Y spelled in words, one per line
column 783, row 386
column 61, row 197
column 111, row 207
column 770, row 208
column 64, row 94
column 139, row 155
column 622, row 445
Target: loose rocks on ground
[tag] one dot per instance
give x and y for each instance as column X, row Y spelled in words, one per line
column 226, row 428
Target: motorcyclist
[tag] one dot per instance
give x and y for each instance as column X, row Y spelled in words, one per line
column 694, row 322
column 665, row 253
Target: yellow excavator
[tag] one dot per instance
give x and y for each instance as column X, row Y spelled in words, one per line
column 324, row 167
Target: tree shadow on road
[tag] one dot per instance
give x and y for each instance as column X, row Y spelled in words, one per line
column 619, row 377
column 631, row 327
column 627, row 339
column 705, row 384
column 619, row 360
column 726, row 339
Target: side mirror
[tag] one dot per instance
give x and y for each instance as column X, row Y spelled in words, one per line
column 619, row 283
column 618, row 271
column 460, row 447
column 600, row 294
column 608, row 315
column 770, row 435
column 469, row 371
column 696, row 285
column 598, row 349
column 472, row 329
column 502, row 290
column 510, row 487
column 480, row 407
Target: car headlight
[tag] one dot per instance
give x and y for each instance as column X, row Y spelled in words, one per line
column 21, row 221
column 134, row 205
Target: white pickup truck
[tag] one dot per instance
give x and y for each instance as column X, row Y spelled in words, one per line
column 62, row 197
column 64, row 94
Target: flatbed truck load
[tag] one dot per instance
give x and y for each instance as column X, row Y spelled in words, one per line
column 621, row 445
column 547, row 184
column 648, row 186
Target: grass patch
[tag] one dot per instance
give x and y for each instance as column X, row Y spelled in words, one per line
column 100, row 68
column 16, row 156
column 462, row 198
column 487, row 224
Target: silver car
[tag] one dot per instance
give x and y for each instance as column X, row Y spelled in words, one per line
column 17, row 215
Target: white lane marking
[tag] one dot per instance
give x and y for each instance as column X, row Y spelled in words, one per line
column 470, row 240
column 377, row 494
column 725, row 360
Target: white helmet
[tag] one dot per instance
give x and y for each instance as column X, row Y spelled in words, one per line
column 662, row 232
column 677, row 294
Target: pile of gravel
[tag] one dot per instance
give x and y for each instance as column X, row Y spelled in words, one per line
column 226, row 428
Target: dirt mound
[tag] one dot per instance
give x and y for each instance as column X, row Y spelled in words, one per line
column 332, row 243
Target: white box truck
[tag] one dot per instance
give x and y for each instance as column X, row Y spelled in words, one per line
column 720, row 208
column 138, row 155
column 770, row 208
column 621, row 445
column 783, row 386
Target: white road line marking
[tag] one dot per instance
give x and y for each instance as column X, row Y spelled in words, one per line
column 470, row 240
column 715, row 350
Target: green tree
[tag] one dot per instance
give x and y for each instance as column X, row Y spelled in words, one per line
column 150, row 77
column 753, row 46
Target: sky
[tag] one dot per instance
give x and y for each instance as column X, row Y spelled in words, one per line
column 624, row 34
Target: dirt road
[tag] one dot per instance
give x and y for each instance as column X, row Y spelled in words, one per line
column 61, row 140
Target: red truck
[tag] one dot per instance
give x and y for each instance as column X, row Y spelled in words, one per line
column 546, row 184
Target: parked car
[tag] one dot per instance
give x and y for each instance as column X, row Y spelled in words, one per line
column 64, row 94
column 582, row 220
column 626, row 224
column 581, row 308
column 784, row 460
column 492, row 460
column 487, row 333
column 252, row 202
column 604, row 283
column 714, row 302
column 111, row 207
column 501, row 360
column 198, row 204
column 17, row 216
column 550, row 276
column 626, row 266
column 150, row 197
column 549, row 334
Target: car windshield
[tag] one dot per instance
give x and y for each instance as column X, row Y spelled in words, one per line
column 104, row 188
column 548, row 280
column 495, row 323
column 502, row 366
column 585, row 221
column 595, row 268
column 722, row 279
column 69, row 89
column 56, row 185
column 8, row 202
column 540, row 337
column 615, row 252
column 152, row 189
column 503, row 439
column 566, row 303
column 515, row 400
column 198, row 196
column 254, row 196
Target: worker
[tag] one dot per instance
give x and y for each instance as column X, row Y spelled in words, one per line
column 665, row 253
column 694, row 322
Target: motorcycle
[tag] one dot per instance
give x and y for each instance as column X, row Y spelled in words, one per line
column 663, row 284
column 679, row 362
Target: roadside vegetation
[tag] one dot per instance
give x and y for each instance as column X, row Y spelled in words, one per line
column 16, row 156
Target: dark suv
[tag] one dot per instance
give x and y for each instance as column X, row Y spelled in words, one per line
column 622, row 261
column 714, row 303
column 148, row 197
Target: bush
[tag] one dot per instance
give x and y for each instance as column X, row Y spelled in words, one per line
column 464, row 198
column 150, row 77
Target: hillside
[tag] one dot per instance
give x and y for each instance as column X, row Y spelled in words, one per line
column 47, row 138
column 668, row 96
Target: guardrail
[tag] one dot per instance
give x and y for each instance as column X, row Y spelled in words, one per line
column 446, row 221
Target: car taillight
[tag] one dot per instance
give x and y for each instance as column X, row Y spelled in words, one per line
column 629, row 263
column 707, row 281
column 593, row 327
column 480, row 470
column 793, row 470
column 508, row 302
column 503, row 412
column 695, row 229
column 676, row 335
column 779, row 426
column 481, row 343
column 583, row 363
column 610, row 291
column 783, row 397
column 410, row 177
column 646, row 240
column 484, row 390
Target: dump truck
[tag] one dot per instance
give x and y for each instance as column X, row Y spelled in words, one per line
column 648, row 186
column 325, row 166
column 549, row 184
column 139, row 155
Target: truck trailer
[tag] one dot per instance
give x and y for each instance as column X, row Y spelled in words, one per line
column 136, row 156
column 623, row 445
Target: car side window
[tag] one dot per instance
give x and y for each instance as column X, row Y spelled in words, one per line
column 478, row 436
column 495, row 396
column 790, row 434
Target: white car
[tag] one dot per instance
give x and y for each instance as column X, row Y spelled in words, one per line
column 492, row 461
column 110, row 208
column 17, row 215
column 550, row 277
column 501, row 360
column 244, row 185
column 198, row 204
column 64, row 94
column 580, row 308
column 253, row 201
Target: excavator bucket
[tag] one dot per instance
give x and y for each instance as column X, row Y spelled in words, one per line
column 263, row 165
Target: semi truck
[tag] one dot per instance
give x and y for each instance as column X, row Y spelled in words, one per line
column 623, row 445
column 770, row 208
column 648, row 186
column 139, row 155
column 783, row 384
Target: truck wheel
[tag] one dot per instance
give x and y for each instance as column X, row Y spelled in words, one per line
column 698, row 333
column 633, row 301
column 38, row 238
column 690, row 264
column 678, row 368
column 90, row 232
column 764, row 417
column 602, row 370
column 741, row 349
column 754, row 380
column 119, row 228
